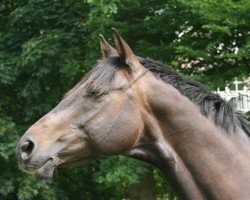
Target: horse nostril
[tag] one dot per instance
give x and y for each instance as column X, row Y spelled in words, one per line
column 26, row 149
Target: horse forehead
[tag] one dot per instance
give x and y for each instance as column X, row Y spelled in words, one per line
column 70, row 101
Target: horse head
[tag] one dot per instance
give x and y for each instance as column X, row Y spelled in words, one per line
column 99, row 117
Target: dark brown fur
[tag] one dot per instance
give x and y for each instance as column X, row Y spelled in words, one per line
column 137, row 107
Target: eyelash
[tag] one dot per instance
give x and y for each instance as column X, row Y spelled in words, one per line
column 92, row 93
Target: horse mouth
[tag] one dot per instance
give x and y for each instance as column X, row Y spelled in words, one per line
column 46, row 170
column 43, row 171
column 73, row 163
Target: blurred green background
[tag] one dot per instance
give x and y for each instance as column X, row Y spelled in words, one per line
column 46, row 46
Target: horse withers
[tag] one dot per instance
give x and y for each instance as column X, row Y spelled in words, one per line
column 127, row 105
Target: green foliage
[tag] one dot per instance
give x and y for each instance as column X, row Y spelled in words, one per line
column 219, row 37
column 162, row 187
column 47, row 46
column 118, row 174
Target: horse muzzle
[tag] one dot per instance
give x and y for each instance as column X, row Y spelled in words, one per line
column 40, row 166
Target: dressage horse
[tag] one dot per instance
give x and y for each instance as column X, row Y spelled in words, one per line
column 127, row 105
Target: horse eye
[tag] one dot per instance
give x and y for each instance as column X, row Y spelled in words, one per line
column 92, row 93
column 80, row 126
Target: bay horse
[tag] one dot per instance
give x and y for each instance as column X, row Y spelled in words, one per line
column 127, row 105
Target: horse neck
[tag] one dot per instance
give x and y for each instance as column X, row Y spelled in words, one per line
column 200, row 159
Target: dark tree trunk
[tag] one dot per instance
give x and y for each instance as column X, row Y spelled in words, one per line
column 145, row 189
column 248, row 115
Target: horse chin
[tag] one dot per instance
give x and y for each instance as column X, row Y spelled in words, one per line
column 46, row 170
column 75, row 163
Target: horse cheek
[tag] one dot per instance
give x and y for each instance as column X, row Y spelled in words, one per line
column 123, row 134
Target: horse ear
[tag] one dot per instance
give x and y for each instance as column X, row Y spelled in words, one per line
column 106, row 48
column 125, row 51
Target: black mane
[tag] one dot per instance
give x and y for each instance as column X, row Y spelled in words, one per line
column 102, row 77
column 210, row 103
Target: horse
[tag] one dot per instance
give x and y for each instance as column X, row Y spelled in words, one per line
column 134, row 106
